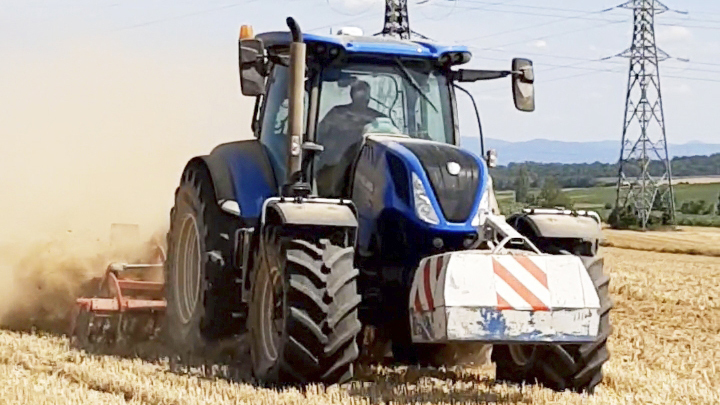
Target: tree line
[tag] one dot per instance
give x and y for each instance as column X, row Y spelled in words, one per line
column 583, row 175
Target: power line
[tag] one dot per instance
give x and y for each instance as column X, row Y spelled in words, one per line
column 592, row 72
column 705, row 12
column 370, row 5
column 580, row 75
column 706, row 63
column 601, row 60
column 555, row 67
column 227, row 6
column 563, row 18
column 536, row 7
column 689, row 69
column 691, row 26
column 693, row 78
column 569, row 10
column 556, row 79
column 350, row 20
column 574, row 66
column 693, row 20
column 550, row 35
column 452, row 10
column 580, row 17
column 535, row 53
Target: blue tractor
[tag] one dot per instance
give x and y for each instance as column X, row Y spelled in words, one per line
column 354, row 209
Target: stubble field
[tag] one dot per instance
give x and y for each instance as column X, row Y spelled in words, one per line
column 686, row 240
column 664, row 349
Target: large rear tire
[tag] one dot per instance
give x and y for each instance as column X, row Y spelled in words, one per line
column 560, row 367
column 198, row 279
column 303, row 316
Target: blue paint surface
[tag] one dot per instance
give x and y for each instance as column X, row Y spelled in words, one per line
column 251, row 183
column 368, row 44
column 492, row 323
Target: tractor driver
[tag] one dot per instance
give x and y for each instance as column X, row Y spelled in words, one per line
column 341, row 133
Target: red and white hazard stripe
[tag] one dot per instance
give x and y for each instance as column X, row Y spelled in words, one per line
column 425, row 290
column 520, row 284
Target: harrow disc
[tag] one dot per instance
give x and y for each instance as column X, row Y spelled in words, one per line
column 123, row 310
column 93, row 332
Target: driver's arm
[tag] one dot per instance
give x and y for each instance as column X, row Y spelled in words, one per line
column 324, row 126
column 325, row 136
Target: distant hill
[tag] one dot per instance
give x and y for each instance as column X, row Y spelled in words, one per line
column 547, row 151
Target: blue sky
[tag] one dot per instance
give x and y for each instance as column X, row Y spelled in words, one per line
column 553, row 33
column 102, row 102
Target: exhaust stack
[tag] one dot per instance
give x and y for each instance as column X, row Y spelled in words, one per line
column 295, row 111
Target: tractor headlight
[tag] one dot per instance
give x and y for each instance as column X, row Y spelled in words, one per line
column 423, row 206
column 483, row 209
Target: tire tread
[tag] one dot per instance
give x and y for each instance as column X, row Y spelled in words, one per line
column 322, row 323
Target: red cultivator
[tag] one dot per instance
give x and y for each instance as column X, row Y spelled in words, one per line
column 125, row 310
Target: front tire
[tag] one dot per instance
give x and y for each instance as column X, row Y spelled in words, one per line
column 304, row 311
column 560, row 367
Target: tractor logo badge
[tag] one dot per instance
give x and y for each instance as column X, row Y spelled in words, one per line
column 453, row 168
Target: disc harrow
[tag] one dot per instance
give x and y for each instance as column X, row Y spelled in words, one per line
column 125, row 311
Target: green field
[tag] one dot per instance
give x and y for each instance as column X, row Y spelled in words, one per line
column 595, row 199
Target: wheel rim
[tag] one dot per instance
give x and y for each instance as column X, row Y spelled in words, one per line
column 522, row 355
column 187, row 259
column 271, row 317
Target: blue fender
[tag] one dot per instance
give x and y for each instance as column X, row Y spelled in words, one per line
column 241, row 172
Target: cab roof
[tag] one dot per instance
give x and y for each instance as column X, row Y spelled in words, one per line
column 368, row 44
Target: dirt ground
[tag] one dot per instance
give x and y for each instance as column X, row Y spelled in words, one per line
column 664, row 349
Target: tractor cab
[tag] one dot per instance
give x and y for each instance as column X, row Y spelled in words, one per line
column 354, row 86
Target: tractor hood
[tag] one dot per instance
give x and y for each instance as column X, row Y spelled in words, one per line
column 454, row 179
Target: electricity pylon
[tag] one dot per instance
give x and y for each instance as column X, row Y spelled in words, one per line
column 644, row 141
column 396, row 19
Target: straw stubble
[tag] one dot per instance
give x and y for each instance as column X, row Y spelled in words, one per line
column 664, row 350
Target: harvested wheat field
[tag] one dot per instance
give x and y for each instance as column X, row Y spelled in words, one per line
column 664, row 350
column 687, row 240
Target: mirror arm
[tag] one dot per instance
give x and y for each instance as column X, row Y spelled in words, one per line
column 477, row 116
column 468, row 75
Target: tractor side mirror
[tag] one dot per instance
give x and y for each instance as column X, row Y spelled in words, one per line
column 252, row 67
column 523, row 79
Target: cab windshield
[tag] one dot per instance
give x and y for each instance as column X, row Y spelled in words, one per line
column 358, row 98
column 383, row 98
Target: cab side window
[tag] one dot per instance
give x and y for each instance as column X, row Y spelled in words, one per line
column 274, row 128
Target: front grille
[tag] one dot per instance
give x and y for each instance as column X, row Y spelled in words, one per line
column 456, row 194
column 399, row 174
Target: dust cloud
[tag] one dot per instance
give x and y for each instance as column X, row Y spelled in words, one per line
column 93, row 133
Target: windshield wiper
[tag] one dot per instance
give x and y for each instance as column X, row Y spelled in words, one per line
column 414, row 83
